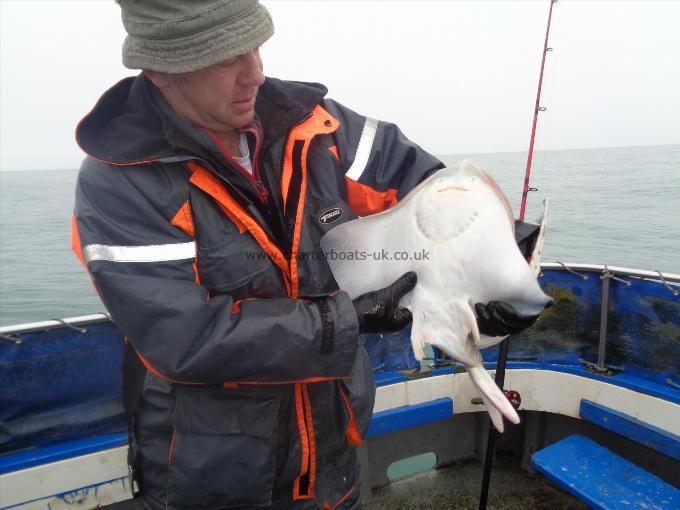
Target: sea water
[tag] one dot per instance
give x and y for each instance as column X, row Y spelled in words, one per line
column 615, row 206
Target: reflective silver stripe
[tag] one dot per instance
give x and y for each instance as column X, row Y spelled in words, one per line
column 363, row 149
column 150, row 253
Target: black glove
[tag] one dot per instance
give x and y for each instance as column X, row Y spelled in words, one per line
column 379, row 311
column 497, row 318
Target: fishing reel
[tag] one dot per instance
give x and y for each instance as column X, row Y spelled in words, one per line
column 514, row 398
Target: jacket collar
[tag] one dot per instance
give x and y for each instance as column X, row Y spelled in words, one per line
column 131, row 124
column 280, row 105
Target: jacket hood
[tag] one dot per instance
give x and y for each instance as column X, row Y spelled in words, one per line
column 127, row 126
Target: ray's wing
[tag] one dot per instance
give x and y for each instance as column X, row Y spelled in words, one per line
column 349, row 249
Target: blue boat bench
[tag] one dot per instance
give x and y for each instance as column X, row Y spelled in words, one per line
column 406, row 417
column 409, row 416
column 67, row 449
column 603, row 479
column 383, row 422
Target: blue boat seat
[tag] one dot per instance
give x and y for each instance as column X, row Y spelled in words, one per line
column 653, row 437
column 67, row 449
column 384, row 422
column 601, row 478
column 405, row 417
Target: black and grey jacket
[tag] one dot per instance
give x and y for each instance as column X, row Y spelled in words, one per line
column 256, row 388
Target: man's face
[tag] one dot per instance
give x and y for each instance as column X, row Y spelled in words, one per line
column 220, row 97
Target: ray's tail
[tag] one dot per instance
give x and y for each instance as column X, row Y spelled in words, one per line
column 496, row 403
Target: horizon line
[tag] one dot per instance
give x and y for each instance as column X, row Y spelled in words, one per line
column 63, row 169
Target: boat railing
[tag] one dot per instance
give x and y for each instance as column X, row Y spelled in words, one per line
column 605, row 272
column 8, row 332
column 614, row 270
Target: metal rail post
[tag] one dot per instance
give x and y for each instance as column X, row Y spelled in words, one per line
column 604, row 309
column 601, row 365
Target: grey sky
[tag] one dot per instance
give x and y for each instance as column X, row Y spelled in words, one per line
column 458, row 77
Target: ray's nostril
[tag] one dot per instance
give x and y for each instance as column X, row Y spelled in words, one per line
column 549, row 303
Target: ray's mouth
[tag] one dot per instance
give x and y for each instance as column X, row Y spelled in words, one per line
column 457, row 187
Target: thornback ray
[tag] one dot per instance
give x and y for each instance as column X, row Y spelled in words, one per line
column 456, row 231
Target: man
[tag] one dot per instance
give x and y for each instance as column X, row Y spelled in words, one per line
column 198, row 214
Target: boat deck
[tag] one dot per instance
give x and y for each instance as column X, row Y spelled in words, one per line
column 457, row 487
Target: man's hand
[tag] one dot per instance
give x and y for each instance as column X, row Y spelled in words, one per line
column 497, row 318
column 379, row 311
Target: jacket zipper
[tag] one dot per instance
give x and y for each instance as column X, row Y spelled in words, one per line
column 281, row 165
column 305, row 482
column 285, row 145
column 259, row 184
column 253, row 178
column 287, row 225
column 306, row 477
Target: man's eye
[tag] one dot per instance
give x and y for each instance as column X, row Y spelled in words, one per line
column 228, row 63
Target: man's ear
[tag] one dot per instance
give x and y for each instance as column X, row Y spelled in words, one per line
column 160, row 80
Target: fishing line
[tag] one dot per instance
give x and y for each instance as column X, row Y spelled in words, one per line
column 546, row 129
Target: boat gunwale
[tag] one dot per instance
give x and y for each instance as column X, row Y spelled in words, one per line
column 30, row 327
column 83, row 320
column 615, row 270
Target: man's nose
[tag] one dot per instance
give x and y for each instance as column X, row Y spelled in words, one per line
column 251, row 72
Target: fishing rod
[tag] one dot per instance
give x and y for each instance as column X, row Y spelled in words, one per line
column 505, row 344
column 537, row 108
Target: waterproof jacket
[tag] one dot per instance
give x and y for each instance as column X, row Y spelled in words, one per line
column 256, row 389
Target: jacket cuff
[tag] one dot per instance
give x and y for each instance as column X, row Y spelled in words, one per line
column 343, row 327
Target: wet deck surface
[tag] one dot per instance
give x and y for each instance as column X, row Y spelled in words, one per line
column 459, row 486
